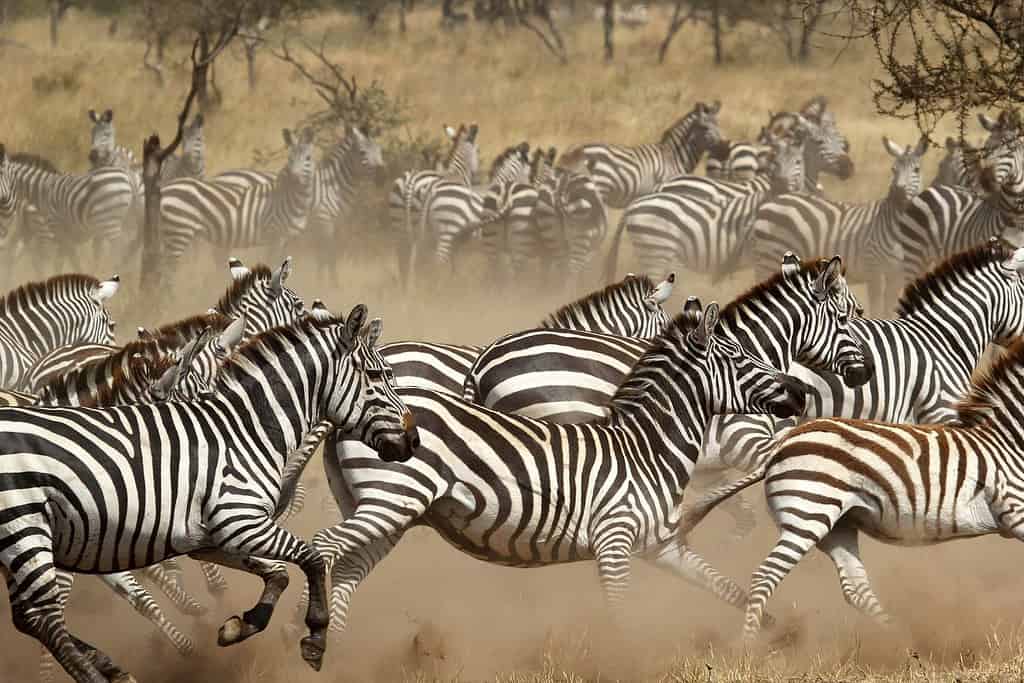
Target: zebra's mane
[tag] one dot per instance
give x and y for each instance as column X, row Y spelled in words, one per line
column 185, row 330
column 240, row 287
column 982, row 400
column 919, row 293
column 502, row 158
column 808, row 267
column 638, row 284
column 136, row 363
column 15, row 301
column 460, row 135
column 683, row 122
column 35, row 161
column 268, row 343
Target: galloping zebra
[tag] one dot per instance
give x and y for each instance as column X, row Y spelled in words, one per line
column 629, row 308
column 669, row 228
column 71, row 209
column 829, row 480
column 410, row 192
column 521, row 492
column 221, row 485
column 41, row 316
column 239, row 209
column 335, row 181
column 623, row 173
column 191, row 163
column 867, row 236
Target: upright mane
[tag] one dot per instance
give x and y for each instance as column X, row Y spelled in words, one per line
column 252, row 352
column 136, row 363
column 238, row 289
column 187, row 329
column 808, row 268
column 501, row 159
column 638, row 285
column 982, row 399
column 684, row 122
column 60, row 286
column 460, row 135
column 924, row 289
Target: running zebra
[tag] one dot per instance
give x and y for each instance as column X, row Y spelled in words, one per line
column 41, row 316
column 867, row 236
column 829, row 480
column 623, row 174
column 238, row 209
column 335, row 181
column 511, row 490
column 410, row 192
column 669, row 228
column 191, row 163
column 629, row 308
column 223, row 490
column 72, row 209
column 508, row 208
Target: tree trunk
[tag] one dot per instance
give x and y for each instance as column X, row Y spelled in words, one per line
column 401, row 15
column 55, row 17
column 807, row 30
column 201, row 73
column 3, row 11
column 716, row 30
column 250, row 65
column 150, row 280
column 609, row 27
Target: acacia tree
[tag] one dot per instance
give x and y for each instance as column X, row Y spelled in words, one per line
column 941, row 57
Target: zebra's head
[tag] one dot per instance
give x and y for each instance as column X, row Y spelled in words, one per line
column 300, row 163
column 999, row 164
column 731, row 379
column 1009, row 299
column 193, row 145
column 103, row 138
column 464, row 156
column 827, row 149
column 906, row 168
column 261, row 296
column 365, row 402
column 952, row 166
column 368, row 150
column 629, row 308
column 786, row 164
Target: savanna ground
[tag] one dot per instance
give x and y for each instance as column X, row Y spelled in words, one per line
column 428, row 612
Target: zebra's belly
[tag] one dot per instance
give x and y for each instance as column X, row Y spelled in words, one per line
column 967, row 519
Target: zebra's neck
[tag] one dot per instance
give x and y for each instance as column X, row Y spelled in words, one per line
column 682, row 147
column 35, row 184
column 334, row 179
column 289, row 203
column 882, row 222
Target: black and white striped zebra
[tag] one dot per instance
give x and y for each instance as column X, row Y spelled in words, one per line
column 335, row 182
column 9, row 203
column 240, row 208
column 191, row 163
column 867, row 236
column 623, row 173
column 953, row 167
column 733, row 160
column 670, row 228
column 830, row 480
column 520, row 492
column 508, row 208
column 222, row 482
column 39, row 317
column 104, row 150
column 72, row 209
column 570, row 220
column 410, row 192
column 629, row 308
column 827, row 149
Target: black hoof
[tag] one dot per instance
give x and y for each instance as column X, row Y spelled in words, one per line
column 313, row 651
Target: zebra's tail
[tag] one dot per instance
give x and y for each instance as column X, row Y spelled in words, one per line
column 693, row 516
column 613, row 252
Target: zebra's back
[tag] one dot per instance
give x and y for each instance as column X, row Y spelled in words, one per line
column 427, row 365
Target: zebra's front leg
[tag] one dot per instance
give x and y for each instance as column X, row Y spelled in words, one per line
column 214, row 577
column 239, row 540
column 168, row 580
column 613, row 550
column 125, row 585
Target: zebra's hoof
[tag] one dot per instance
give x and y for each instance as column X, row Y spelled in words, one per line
column 313, row 651
column 123, row 678
column 230, row 632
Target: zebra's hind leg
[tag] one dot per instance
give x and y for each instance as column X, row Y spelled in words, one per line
column 793, row 544
column 125, row 585
column 169, row 583
column 613, row 549
column 215, row 581
column 743, row 515
column 841, row 545
column 275, row 581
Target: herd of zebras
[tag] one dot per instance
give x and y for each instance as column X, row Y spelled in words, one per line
column 572, row 441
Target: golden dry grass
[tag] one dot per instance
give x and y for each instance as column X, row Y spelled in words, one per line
column 428, row 612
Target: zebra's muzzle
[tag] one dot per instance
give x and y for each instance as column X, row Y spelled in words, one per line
column 399, row 447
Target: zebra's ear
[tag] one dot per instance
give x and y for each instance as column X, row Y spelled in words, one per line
column 951, row 144
column 692, row 313
column 232, row 334
column 307, row 135
column 828, row 277
column 286, row 134
column 891, row 147
column 142, row 333
column 318, row 311
column 371, row 335
column 661, row 292
column 106, row 289
column 354, row 323
column 473, row 130
column 986, row 121
column 108, row 116
column 93, row 117
column 449, row 132
column 922, row 147
column 706, row 327
column 790, row 264
column 237, row 269
column 278, row 277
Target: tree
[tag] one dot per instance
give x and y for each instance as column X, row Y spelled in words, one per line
column 941, row 57
column 58, row 8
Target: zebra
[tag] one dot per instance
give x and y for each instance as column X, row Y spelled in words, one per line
column 41, row 316
column 631, row 308
column 358, row 156
column 828, row 150
column 529, row 493
column 954, row 168
column 70, row 209
column 191, row 163
column 733, row 160
column 230, row 450
column 866, row 235
column 829, row 480
column 104, row 150
column 623, row 174
column 234, row 210
column 923, row 359
column 571, row 219
column 410, row 192
column 704, row 235
column 8, row 198
column 507, row 207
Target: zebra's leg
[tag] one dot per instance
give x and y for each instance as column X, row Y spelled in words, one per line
column 171, row 587
column 742, row 513
column 298, row 501
column 261, row 538
column 215, row 581
column 613, row 549
column 65, row 582
column 793, row 544
column 841, row 545
column 125, row 585
column 349, row 571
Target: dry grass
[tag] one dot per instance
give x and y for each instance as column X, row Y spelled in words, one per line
column 428, row 612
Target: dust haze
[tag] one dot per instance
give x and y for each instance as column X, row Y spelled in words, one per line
column 428, row 612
